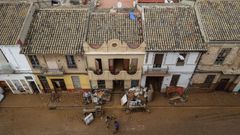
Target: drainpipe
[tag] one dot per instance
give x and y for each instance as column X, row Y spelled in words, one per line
column 186, row 92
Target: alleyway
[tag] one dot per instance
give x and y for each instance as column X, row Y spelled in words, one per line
column 204, row 114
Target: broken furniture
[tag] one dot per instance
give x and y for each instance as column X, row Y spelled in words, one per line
column 101, row 96
column 135, row 106
column 87, row 97
column 175, row 94
column 135, row 98
column 88, row 119
column 97, row 111
column 175, row 89
column 91, row 113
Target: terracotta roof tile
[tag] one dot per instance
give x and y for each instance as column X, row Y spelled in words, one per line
column 106, row 26
column 172, row 28
column 60, row 31
column 12, row 16
column 220, row 19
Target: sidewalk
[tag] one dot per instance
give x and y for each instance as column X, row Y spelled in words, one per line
column 75, row 100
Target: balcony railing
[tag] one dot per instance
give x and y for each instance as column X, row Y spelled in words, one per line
column 107, row 75
column 153, row 69
column 6, row 68
column 96, row 72
column 48, row 71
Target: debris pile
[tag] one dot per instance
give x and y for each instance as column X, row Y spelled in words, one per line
column 136, row 99
column 97, row 96
column 91, row 113
column 175, row 94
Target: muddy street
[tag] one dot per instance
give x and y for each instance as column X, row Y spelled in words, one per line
column 161, row 120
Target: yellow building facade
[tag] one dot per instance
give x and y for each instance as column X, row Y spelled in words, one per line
column 54, row 48
column 55, row 73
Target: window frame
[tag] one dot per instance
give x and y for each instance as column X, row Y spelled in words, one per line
column 222, row 56
column 34, row 61
column 71, row 61
column 208, row 83
column 134, row 82
column 101, row 84
column 173, row 82
column 181, row 62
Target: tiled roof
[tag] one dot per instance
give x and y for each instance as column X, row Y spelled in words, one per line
column 220, row 19
column 12, row 16
column 172, row 28
column 60, row 31
column 106, row 26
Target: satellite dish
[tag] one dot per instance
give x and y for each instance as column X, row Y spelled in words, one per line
column 119, row 4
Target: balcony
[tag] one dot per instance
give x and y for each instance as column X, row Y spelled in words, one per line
column 155, row 70
column 107, row 75
column 54, row 72
column 6, row 69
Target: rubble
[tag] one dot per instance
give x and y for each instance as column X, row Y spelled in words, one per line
column 97, row 96
column 137, row 99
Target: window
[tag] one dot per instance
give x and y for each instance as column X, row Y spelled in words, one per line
column 158, row 60
column 18, row 85
column 181, row 59
column 56, row 2
column 34, row 61
column 174, row 80
column 11, row 85
column 222, row 55
column 101, row 84
column 209, row 80
column 24, row 84
column 134, row 83
column 114, row 45
column 28, row 78
column 146, row 58
column 44, row 83
column 133, row 66
column 70, row 61
column 76, row 82
column 98, row 64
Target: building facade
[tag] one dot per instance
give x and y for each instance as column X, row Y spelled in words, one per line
column 219, row 68
column 114, row 50
column 15, row 72
column 54, row 49
column 174, row 46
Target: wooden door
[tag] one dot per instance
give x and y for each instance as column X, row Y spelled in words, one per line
column 158, row 60
column 174, row 80
column 59, row 84
column 222, row 84
column 44, row 83
column 126, row 64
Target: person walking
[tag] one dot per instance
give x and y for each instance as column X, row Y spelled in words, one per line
column 116, row 126
column 108, row 121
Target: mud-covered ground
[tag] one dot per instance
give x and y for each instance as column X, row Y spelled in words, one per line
column 204, row 114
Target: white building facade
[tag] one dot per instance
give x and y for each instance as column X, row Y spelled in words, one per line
column 169, row 68
column 174, row 46
column 15, row 71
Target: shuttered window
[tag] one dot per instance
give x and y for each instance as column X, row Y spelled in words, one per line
column 76, row 82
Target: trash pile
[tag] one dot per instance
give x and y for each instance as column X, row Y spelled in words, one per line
column 175, row 95
column 97, row 96
column 136, row 98
column 91, row 113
